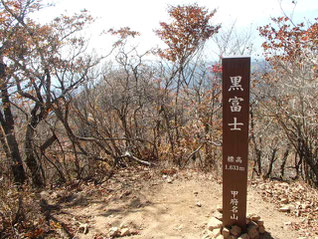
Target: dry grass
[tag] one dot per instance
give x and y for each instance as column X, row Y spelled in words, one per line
column 20, row 212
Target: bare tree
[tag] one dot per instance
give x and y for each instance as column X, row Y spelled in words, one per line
column 293, row 87
column 38, row 72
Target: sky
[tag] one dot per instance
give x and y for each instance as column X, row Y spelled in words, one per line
column 144, row 15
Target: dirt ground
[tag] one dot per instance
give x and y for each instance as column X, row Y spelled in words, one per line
column 152, row 205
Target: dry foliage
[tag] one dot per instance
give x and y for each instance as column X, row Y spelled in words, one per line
column 301, row 199
column 189, row 29
column 288, row 89
column 20, row 213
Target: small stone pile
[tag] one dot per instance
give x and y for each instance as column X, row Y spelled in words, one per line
column 121, row 232
column 215, row 229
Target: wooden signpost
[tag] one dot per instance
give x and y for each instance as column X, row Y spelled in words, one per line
column 236, row 86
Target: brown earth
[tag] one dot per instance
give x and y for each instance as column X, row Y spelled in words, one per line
column 152, row 205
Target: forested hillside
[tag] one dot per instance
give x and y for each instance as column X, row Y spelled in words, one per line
column 70, row 116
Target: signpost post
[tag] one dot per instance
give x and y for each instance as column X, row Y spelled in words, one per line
column 236, row 86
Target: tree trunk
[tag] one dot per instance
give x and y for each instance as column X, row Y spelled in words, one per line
column 9, row 139
column 257, row 167
column 16, row 167
column 310, row 161
column 282, row 167
column 308, row 158
column 271, row 163
column 30, row 160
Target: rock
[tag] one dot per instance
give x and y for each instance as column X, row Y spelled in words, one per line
column 179, row 228
column 214, row 223
column 255, row 218
column 236, row 230
column 262, row 186
column 125, row 194
column 244, row 236
column 44, row 194
column 284, row 200
column 135, row 232
column 261, row 229
column 219, row 237
column 287, row 223
column 216, row 232
column 54, row 195
column 123, row 225
column 169, row 180
column 285, row 209
column 125, row 232
column 252, row 223
column 219, row 208
column 260, row 223
column 198, row 204
column 226, row 232
column 83, row 228
column 252, row 231
column 292, row 207
column 207, row 236
column 305, row 206
column 114, row 232
column 218, row 215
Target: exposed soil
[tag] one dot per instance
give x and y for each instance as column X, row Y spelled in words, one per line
column 152, row 205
